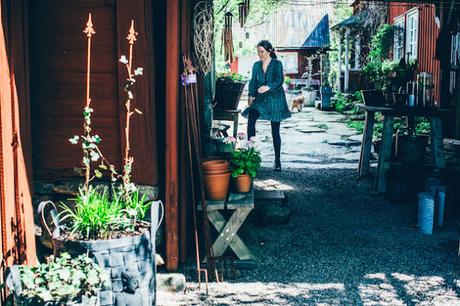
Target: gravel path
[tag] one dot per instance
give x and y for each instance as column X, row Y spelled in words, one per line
column 343, row 245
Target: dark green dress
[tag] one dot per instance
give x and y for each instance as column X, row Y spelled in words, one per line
column 271, row 105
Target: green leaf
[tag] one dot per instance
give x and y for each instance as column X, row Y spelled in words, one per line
column 98, row 173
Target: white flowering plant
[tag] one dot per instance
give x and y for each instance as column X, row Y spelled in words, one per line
column 97, row 214
column 61, row 280
column 245, row 157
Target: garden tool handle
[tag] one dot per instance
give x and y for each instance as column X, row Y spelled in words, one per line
column 53, row 212
column 160, row 219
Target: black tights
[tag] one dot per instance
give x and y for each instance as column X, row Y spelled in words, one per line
column 252, row 119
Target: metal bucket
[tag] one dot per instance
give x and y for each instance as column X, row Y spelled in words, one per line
column 425, row 213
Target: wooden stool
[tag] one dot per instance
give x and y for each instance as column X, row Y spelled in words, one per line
column 241, row 205
column 228, row 115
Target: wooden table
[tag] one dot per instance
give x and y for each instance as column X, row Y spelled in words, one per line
column 241, row 204
column 228, row 115
column 434, row 114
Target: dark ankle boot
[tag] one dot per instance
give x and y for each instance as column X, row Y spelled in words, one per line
column 277, row 166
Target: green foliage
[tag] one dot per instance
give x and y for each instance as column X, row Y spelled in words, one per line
column 323, row 126
column 245, row 161
column 287, row 80
column 342, row 10
column 356, row 125
column 136, row 207
column 231, row 76
column 344, row 102
column 379, row 50
column 258, row 13
column 422, row 126
column 62, row 280
column 94, row 215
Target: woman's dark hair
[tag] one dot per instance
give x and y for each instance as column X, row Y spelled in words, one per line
column 267, row 46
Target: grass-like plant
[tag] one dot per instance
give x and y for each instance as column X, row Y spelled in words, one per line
column 94, row 216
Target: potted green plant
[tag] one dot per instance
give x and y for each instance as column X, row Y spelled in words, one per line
column 287, row 81
column 244, row 163
column 60, row 281
column 111, row 225
column 229, row 88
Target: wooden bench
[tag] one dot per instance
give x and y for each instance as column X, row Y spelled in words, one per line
column 241, row 205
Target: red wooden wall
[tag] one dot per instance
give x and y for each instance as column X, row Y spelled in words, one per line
column 427, row 35
column 58, row 84
column 16, row 213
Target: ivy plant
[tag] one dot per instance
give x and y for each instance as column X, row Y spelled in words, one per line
column 61, row 280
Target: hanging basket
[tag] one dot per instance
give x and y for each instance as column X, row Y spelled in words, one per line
column 228, row 94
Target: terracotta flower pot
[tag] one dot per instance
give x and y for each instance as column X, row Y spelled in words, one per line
column 213, row 172
column 213, row 165
column 242, row 183
column 216, row 185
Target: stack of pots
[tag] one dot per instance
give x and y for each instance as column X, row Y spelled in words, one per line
column 216, row 178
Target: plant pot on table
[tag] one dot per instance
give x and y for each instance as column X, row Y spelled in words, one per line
column 373, row 97
column 242, row 183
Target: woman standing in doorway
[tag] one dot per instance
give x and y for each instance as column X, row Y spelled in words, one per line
column 267, row 100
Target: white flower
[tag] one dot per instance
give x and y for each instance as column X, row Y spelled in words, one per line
column 74, row 139
column 250, row 144
column 253, row 139
column 94, row 156
column 241, row 136
column 123, row 59
column 138, row 71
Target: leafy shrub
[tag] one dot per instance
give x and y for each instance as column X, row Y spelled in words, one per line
column 344, row 102
column 231, row 77
column 356, row 125
column 287, row 80
column 61, row 279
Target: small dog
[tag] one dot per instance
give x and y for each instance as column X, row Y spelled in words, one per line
column 297, row 103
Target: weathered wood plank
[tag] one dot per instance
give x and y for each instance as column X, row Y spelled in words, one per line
column 385, row 153
column 437, row 147
column 366, row 144
column 229, row 232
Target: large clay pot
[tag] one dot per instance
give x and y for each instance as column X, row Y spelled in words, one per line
column 214, row 165
column 242, row 183
column 212, row 172
column 216, row 185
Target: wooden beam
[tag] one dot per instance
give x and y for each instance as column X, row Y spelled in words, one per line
column 172, row 96
column 346, row 80
column 339, row 83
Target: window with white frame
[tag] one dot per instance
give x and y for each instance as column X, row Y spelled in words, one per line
column 412, row 34
column 398, row 44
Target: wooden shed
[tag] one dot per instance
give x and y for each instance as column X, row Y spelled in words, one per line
column 42, row 77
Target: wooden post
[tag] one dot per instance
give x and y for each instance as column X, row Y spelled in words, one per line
column 339, row 83
column 357, row 51
column 346, row 79
column 172, row 96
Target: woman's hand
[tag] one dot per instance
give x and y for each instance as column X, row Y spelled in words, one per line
column 263, row 89
column 250, row 100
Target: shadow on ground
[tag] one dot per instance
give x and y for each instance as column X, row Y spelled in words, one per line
column 343, row 245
